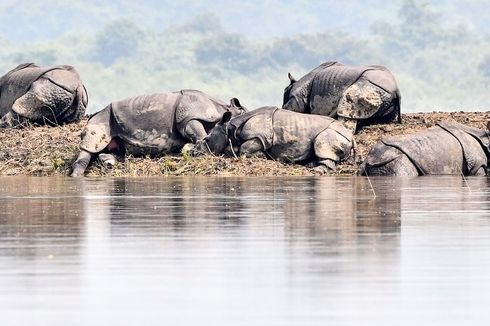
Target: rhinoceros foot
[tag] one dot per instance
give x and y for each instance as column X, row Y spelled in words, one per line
column 107, row 160
column 81, row 163
column 322, row 167
column 195, row 149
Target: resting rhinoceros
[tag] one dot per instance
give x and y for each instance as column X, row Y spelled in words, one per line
column 356, row 95
column 50, row 95
column 447, row 148
column 150, row 125
column 282, row 135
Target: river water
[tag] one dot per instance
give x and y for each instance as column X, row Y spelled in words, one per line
column 245, row 251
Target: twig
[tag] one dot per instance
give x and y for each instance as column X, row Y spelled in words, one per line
column 231, row 147
column 464, row 179
column 209, row 149
column 370, row 184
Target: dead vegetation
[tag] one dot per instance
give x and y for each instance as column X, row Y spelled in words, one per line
column 47, row 151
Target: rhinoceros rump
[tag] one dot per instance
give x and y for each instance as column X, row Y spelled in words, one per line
column 285, row 136
column 151, row 125
column 37, row 95
column 356, row 95
column 448, row 148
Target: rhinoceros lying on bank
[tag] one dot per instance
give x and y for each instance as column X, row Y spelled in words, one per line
column 356, row 95
column 32, row 94
column 283, row 135
column 151, row 125
column 447, row 148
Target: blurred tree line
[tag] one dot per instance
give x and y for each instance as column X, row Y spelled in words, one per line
column 439, row 66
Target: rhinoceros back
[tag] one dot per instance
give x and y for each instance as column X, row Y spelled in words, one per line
column 16, row 83
column 474, row 143
column 294, row 134
column 433, row 151
column 68, row 78
column 254, row 124
column 329, row 85
column 147, row 120
column 196, row 105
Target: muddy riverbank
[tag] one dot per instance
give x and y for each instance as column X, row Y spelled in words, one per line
column 46, row 151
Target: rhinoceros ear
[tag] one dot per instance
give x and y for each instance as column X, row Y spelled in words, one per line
column 235, row 102
column 291, row 78
column 226, row 117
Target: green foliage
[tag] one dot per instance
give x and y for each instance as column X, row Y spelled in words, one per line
column 118, row 39
column 440, row 65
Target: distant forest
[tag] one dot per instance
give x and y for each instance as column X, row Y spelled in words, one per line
column 438, row 50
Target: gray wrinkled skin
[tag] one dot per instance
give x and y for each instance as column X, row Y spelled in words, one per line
column 357, row 95
column 151, row 125
column 448, row 148
column 285, row 136
column 35, row 95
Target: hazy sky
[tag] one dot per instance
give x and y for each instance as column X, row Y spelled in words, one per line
column 47, row 19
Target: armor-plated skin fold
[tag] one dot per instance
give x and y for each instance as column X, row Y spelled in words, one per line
column 151, row 124
column 357, row 95
column 41, row 95
column 286, row 136
column 449, row 148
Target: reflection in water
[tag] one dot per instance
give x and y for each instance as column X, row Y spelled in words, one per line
column 35, row 210
column 243, row 250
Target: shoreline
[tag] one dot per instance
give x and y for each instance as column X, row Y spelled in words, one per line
column 50, row 151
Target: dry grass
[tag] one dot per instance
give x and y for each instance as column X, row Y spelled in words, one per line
column 46, row 151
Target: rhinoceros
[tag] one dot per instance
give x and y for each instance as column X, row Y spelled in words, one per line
column 282, row 135
column 150, row 125
column 41, row 95
column 447, row 148
column 356, row 95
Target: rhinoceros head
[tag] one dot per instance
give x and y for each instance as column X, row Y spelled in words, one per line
column 217, row 139
column 294, row 96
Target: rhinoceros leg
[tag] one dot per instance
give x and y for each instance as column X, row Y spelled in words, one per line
column 331, row 147
column 107, row 159
column 195, row 131
column 44, row 102
column 81, row 163
column 251, row 147
column 322, row 166
column 84, row 158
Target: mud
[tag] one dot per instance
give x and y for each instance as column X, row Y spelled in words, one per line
column 47, row 151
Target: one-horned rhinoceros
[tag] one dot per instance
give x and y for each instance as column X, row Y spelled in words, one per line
column 150, row 125
column 447, row 148
column 356, row 95
column 41, row 95
column 282, row 135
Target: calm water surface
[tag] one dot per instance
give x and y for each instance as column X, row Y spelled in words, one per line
column 245, row 251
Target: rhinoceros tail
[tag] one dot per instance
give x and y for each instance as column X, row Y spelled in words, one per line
column 97, row 133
